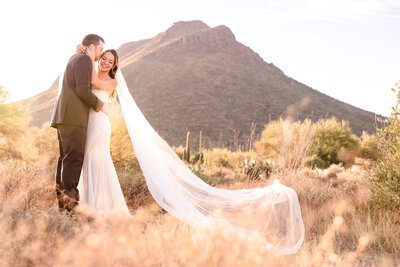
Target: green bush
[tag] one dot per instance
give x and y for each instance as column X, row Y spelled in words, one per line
column 315, row 162
column 12, row 114
column 319, row 144
column 385, row 185
column 15, row 139
column 368, row 146
column 270, row 140
column 333, row 144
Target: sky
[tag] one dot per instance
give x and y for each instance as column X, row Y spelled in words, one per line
column 347, row 49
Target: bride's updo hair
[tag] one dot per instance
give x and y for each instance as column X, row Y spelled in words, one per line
column 114, row 68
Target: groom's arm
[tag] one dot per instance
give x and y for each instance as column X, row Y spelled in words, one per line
column 83, row 74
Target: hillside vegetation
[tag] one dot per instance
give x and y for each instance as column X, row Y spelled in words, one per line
column 351, row 218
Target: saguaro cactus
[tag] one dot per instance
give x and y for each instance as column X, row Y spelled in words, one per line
column 187, row 150
column 201, row 159
column 200, row 146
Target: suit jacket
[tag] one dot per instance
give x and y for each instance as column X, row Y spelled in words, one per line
column 76, row 97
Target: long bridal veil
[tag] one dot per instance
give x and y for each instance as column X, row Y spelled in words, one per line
column 271, row 213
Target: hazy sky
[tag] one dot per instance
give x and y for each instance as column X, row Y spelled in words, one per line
column 347, row 49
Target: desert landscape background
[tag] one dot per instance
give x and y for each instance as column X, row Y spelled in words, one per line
column 257, row 125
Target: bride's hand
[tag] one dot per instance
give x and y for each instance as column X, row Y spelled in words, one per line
column 90, row 52
column 106, row 108
column 80, row 48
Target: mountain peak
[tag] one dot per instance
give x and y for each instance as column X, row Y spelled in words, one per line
column 193, row 25
column 182, row 28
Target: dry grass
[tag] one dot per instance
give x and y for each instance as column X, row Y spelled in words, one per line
column 339, row 228
column 339, row 231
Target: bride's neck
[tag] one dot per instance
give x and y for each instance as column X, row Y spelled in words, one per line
column 102, row 74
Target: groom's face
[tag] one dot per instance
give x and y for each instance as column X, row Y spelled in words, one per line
column 98, row 50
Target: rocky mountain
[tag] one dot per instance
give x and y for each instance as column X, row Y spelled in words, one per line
column 192, row 77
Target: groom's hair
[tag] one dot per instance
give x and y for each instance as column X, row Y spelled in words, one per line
column 92, row 39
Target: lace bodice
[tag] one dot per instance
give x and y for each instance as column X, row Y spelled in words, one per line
column 101, row 94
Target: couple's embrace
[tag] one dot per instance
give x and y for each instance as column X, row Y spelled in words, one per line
column 86, row 174
column 85, row 171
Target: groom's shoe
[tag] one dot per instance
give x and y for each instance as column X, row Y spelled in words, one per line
column 69, row 203
column 70, row 199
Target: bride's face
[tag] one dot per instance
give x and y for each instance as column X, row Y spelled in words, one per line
column 106, row 62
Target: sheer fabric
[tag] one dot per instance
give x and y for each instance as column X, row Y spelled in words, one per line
column 271, row 213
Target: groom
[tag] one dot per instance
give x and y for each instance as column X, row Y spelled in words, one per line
column 70, row 118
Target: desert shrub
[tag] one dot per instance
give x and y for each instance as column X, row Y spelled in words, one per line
column 198, row 158
column 297, row 140
column 286, row 141
column 199, row 172
column 333, row 144
column 256, row 169
column 45, row 139
column 315, row 161
column 217, row 157
column 385, row 187
column 270, row 140
column 12, row 114
column 134, row 188
column 224, row 158
column 46, row 143
column 14, row 140
column 179, row 151
column 223, row 162
column 368, row 146
column 9, row 139
column 18, row 142
column 317, row 145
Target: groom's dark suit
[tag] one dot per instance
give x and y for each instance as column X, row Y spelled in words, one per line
column 70, row 117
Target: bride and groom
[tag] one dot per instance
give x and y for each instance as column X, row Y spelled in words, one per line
column 86, row 174
column 85, row 171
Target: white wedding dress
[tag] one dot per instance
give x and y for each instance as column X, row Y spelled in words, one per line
column 99, row 187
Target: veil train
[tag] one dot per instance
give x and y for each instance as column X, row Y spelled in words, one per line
column 272, row 212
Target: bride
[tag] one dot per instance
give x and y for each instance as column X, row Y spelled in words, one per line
column 270, row 214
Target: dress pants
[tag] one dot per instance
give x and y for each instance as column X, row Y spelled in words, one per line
column 71, row 140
